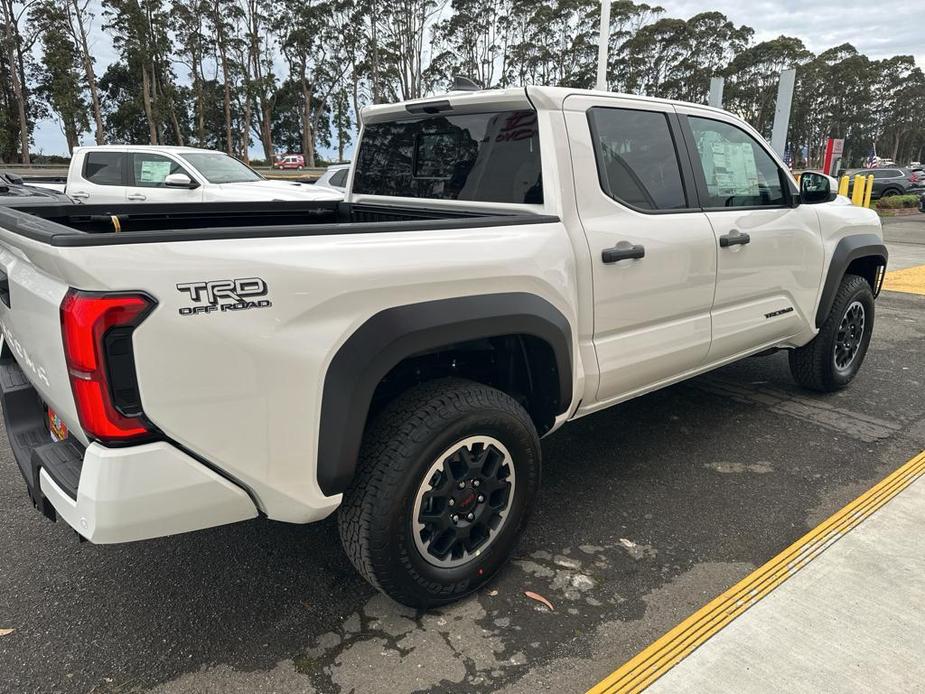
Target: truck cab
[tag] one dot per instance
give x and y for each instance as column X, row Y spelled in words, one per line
column 110, row 174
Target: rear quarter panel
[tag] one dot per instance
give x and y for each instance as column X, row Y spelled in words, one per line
column 243, row 389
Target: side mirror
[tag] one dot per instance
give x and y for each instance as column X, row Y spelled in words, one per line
column 816, row 187
column 179, row 180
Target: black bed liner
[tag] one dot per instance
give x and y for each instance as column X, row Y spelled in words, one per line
column 116, row 224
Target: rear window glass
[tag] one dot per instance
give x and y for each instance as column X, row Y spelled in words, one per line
column 486, row 157
column 104, row 168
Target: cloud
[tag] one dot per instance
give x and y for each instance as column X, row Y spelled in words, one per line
column 821, row 24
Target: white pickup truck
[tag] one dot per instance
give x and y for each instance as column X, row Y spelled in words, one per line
column 162, row 174
column 505, row 261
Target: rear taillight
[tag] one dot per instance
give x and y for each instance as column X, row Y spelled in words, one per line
column 97, row 330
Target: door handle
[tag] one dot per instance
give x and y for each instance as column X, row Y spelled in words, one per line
column 734, row 238
column 625, row 252
column 136, row 196
column 80, row 195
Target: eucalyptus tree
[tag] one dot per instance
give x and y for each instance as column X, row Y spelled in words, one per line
column 475, row 40
column 18, row 127
column 79, row 23
column 139, row 30
column 752, row 77
column 258, row 67
column 193, row 46
column 223, row 17
column 60, row 82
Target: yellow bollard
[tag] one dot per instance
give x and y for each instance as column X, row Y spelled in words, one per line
column 870, row 187
column 843, row 185
column 857, row 190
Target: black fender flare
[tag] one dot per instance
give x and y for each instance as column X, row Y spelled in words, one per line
column 848, row 249
column 394, row 334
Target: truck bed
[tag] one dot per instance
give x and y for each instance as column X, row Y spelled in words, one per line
column 95, row 225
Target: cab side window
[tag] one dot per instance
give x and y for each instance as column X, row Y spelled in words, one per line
column 104, row 168
column 150, row 170
column 636, row 159
column 340, row 178
column 737, row 170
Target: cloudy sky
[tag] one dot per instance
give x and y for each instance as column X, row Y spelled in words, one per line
column 878, row 33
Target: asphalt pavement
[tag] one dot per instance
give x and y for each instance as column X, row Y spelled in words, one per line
column 647, row 511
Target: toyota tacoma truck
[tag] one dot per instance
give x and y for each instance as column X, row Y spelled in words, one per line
column 149, row 174
column 504, row 261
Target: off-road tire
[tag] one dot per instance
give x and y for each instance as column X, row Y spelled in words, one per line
column 813, row 365
column 400, row 446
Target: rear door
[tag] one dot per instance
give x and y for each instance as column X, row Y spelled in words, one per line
column 769, row 252
column 146, row 179
column 100, row 178
column 653, row 253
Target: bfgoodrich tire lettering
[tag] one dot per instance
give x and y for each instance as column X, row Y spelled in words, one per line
column 376, row 519
column 824, row 364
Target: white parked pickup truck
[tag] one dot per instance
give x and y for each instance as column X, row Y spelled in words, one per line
column 504, row 262
column 142, row 173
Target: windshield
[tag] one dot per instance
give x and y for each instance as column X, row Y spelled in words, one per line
column 217, row 167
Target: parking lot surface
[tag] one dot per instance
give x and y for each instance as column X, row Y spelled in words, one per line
column 647, row 511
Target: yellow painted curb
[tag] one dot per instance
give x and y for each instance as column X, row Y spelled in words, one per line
column 659, row 657
column 910, row 280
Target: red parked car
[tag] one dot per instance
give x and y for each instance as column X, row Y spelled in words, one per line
column 290, row 161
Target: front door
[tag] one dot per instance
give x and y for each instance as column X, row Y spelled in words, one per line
column 146, row 180
column 653, row 252
column 769, row 252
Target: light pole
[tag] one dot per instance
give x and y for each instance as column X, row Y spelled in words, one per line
column 602, row 46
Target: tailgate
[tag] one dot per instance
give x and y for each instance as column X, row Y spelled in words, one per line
column 30, row 301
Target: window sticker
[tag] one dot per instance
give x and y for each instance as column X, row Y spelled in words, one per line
column 154, row 171
column 729, row 167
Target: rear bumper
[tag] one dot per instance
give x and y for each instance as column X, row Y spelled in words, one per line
column 113, row 495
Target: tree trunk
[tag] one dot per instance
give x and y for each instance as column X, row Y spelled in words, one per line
column 81, row 39
column 266, row 129
column 70, row 134
column 246, row 128
column 374, row 71
column 200, row 102
column 146, row 99
column 18, row 91
column 223, row 55
column 308, row 135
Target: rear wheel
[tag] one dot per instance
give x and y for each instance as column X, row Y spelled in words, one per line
column 834, row 357
column 446, row 478
column 890, row 192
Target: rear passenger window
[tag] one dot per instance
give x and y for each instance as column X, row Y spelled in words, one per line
column 737, row 170
column 637, row 163
column 104, row 168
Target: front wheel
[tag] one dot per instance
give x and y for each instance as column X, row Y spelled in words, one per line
column 446, row 478
column 834, row 357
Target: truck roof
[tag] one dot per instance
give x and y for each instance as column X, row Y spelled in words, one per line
column 158, row 148
column 513, row 98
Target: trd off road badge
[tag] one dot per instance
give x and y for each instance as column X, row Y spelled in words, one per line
column 224, row 295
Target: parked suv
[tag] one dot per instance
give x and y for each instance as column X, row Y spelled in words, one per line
column 505, row 261
column 890, row 181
